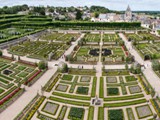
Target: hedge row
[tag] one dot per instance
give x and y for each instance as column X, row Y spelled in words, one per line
column 124, row 97
column 120, row 104
column 72, row 102
column 82, row 24
column 71, row 96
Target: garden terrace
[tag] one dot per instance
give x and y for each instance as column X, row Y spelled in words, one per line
column 148, row 36
column 51, row 36
column 14, row 33
column 39, row 49
column 111, row 38
column 133, row 37
column 12, row 75
column 148, row 51
column 86, row 54
column 68, row 93
column 92, row 38
column 69, row 37
column 117, row 54
column 74, row 93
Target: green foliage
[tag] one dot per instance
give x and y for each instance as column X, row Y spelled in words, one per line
column 78, row 15
column 130, row 78
column 67, row 77
column 112, row 91
column 83, row 90
column 1, row 53
column 65, row 68
column 76, row 113
column 115, row 114
column 155, row 65
column 42, row 65
column 99, row 9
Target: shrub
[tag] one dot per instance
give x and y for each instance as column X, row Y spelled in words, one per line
column 42, row 65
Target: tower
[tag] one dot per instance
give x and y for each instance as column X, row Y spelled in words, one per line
column 128, row 14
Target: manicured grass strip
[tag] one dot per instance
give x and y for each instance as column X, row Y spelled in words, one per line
column 91, row 113
column 124, row 98
column 120, row 104
column 93, row 94
column 8, row 92
column 71, row 96
column 1, row 90
column 101, row 113
column 69, row 101
column 130, row 114
column 67, row 77
column 101, row 91
column 4, row 81
column 8, row 78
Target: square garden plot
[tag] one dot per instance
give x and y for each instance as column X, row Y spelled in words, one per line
column 76, row 113
column 143, row 111
column 130, row 78
column 62, row 88
column 115, row 114
column 112, row 91
column 21, row 67
column 83, row 90
column 134, row 89
column 50, row 108
column 111, row 79
column 23, row 74
column 85, row 79
column 67, row 77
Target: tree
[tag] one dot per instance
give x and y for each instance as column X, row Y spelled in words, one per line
column 121, row 42
column 42, row 65
column 64, row 68
column 96, row 14
column 78, row 15
column 1, row 53
column 155, row 65
column 126, row 66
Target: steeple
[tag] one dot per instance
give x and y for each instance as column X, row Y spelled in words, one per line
column 128, row 8
column 128, row 14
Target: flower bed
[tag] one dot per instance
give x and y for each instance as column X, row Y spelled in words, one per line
column 9, row 96
column 31, row 78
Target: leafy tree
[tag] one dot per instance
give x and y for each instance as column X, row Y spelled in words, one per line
column 155, row 65
column 78, row 15
column 1, row 53
column 42, row 65
column 64, row 68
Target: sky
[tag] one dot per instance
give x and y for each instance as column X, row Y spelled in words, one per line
column 151, row 5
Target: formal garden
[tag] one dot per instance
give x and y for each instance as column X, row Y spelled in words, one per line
column 39, row 49
column 111, row 38
column 60, row 37
column 13, row 75
column 86, row 54
column 115, row 54
column 92, row 38
column 72, row 96
column 11, row 33
column 141, row 37
column 148, row 51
